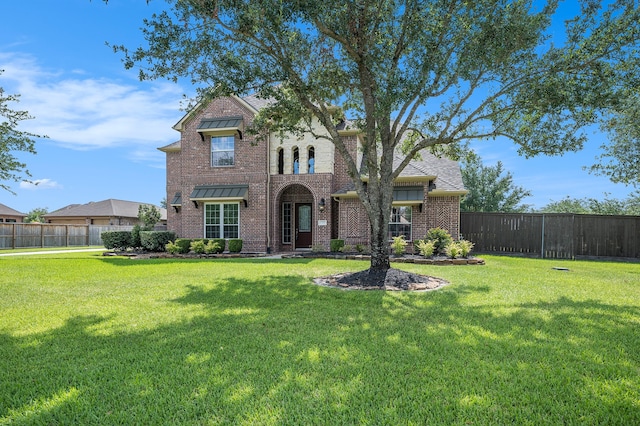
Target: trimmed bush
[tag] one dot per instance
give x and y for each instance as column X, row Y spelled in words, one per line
column 336, row 245
column 212, row 247
column 135, row 236
column 452, row 250
column 221, row 242
column 197, row 246
column 235, row 245
column 399, row 245
column 426, row 248
column 441, row 239
column 156, row 240
column 184, row 245
column 465, row 247
column 172, row 248
column 116, row 240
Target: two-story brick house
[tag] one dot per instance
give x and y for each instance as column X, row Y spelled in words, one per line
column 283, row 195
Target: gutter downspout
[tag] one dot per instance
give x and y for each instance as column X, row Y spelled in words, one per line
column 268, row 193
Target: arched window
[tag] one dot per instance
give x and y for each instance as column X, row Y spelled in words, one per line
column 280, row 161
column 312, row 160
column 296, row 161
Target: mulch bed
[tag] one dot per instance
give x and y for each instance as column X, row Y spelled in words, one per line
column 394, row 280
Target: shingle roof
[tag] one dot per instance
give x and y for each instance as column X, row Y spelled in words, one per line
column 171, row 147
column 447, row 172
column 105, row 208
column 8, row 211
column 256, row 102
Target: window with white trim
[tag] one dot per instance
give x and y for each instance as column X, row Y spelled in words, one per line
column 222, row 151
column 287, row 220
column 222, row 220
column 400, row 222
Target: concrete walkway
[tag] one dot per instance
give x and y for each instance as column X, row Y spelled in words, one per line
column 27, row 253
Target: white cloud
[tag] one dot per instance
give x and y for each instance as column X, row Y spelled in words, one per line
column 40, row 184
column 80, row 112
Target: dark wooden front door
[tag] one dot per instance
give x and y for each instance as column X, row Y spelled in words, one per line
column 304, row 236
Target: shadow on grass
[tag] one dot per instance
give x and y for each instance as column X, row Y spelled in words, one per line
column 277, row 350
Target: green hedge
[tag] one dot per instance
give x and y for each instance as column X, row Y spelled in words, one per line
column 116, row 240
column 221, row 243
column 183, row 245
column 235, row 245
column 156, row 240
column 336, row 245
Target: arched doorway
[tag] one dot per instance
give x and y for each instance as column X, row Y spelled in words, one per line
column 296, row 218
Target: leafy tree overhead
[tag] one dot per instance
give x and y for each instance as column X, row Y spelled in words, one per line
column 414, row 75
column 621, row 158
column 12, row 140
column 491, row 189
column 36, row 215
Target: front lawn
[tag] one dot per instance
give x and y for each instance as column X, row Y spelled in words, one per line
column 87, row 339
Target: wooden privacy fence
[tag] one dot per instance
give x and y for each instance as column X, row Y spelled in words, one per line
column 560, row 236
column 27, row 235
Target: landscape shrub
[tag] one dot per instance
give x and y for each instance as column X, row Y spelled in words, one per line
column 197, row 246
column 399, row 245
column 452, row 250
column 172, row 248
column 235, row 245
column 184, row 245
column 212, row 247
column 156, row 240
column 135, row 236
column 441, row 239
column 116, row 240
column 221, row 243
column 465, row 247
column 425, row 248
column 336, row 245
column 360, row 248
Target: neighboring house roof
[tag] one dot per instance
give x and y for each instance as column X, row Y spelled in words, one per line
column 105, row 208
column 8, row 211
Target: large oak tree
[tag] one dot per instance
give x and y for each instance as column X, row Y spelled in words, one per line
column 413, row 75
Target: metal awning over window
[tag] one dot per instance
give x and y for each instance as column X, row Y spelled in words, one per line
column 176, row 200
column 221, row 126
column 219, row 193
column 408, row 195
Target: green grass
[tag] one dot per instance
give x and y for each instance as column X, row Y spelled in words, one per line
column 86, row 339
column 46, row 249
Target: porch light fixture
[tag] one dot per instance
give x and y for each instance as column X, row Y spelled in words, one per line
column 321, row 204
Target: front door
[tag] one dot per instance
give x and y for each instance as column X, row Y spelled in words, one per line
column 304, row 237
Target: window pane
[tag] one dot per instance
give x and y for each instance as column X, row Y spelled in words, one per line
column 400, row 222
column 231, row 214
column 222, row 151
column 304, row 219
column 286, row 223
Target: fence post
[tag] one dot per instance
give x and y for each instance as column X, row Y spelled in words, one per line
column 542, row 250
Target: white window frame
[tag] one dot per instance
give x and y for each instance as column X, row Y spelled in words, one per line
column 223, row 149
column 221, row 225
column 287, row 208
column 410, row 223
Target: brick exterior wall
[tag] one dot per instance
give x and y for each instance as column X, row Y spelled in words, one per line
column 256, row 166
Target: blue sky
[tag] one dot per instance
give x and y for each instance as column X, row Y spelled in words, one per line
column 105, row 126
